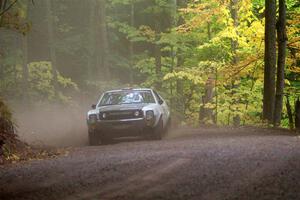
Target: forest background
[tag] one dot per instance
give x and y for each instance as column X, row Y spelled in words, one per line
column 206, row 57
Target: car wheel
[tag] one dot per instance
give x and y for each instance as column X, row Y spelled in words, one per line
column 158, row 130
column 104, row 139
column 168, row 127
column 93, row 139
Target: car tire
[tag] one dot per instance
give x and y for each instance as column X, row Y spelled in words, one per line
column 168, row 127
column 158, row 130
column 104, row 139
column 93, row 139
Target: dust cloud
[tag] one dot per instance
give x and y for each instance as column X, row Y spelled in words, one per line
column 62, row 126
column 52, row 125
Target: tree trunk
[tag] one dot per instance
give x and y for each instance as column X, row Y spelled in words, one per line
column 25, row 70
column 51, row 43
column 173, row 54
column 289, row 113
column 234, row 43
column 131, row 45
column 157, row 56
column 297, row 115
column 179, row 105
column 98, row 52
column 206, row 114
column 104, row 40
column 270, row 60
column 282, row 40
column 209, row 30
column 92, row 41
column 25, row 62
column 173, row 50
column 216, row 95
column 233, row 6
column 3, row 4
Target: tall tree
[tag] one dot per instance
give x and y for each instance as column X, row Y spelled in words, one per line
column 157, row 55
column 92, row 39
column 51, row 41
column 206, row 114
column 131, row 44
column 180, row 61
column 104, row 40
column 25, row 60
column 25, row 69
column 282, row 42
column 233, row 7
column 270, row 60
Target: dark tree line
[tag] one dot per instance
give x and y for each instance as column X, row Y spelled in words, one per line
column 274, row 80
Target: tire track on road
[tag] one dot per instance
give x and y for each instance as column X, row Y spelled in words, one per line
column 139, row 184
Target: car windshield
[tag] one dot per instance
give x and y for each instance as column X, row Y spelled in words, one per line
column 127, row 97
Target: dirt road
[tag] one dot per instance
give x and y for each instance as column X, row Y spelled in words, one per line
column 210, row 164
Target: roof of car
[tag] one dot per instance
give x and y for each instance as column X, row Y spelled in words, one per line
column 134, row 89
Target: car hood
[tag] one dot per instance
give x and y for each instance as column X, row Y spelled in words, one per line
column 122, row 107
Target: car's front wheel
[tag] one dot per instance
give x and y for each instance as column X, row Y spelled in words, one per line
column 106, row 139
column 158, row 130
column 93, row 139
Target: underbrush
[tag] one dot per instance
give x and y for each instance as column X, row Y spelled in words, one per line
column 11, row 148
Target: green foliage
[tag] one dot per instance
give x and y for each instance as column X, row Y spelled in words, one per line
column 14, row 17
column 195, row 50
column 200, row 49
column 191, row 76
column 41, row 82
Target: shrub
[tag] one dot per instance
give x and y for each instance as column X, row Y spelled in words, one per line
column 8, row 138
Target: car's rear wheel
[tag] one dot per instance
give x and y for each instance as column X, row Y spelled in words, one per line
column 168, row 127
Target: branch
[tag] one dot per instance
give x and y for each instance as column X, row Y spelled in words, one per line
column 9, row 7
column 242, row 67
column 3, row 4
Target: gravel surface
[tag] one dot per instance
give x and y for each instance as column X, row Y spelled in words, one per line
column 212, row 164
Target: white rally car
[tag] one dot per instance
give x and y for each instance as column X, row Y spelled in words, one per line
column 128, row 112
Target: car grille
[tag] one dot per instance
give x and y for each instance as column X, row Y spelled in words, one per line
column 117, row 115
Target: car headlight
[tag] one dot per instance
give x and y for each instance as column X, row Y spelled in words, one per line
column 150, row 118
column 137, row 113
column 103, row 115
column 149, row 115
column 92, row 118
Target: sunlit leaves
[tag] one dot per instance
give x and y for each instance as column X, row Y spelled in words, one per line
column 185, row 75
column 15, row 18
column 40, row 82
column 238, row 84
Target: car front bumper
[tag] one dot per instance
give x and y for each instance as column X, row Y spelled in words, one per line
column 120, row 128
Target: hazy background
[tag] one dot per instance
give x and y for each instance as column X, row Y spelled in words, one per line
column 53, row 125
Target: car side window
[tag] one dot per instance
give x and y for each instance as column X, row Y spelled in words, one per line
column 159, row 99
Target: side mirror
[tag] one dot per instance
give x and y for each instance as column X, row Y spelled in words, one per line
column 160, row 101
column 94, row 106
